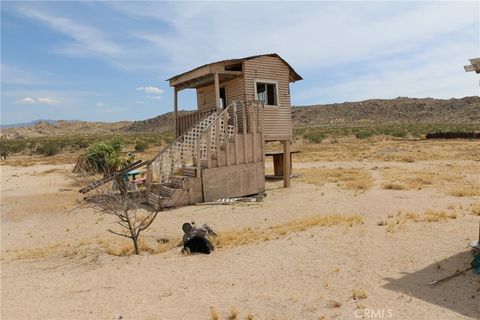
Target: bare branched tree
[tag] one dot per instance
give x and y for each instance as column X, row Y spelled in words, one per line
column 121, row 203
column 130, row 218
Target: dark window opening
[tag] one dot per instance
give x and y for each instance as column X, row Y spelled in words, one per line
column 267, row 93
column 223, row 97
column 234, row 67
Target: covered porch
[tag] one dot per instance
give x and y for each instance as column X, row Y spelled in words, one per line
column 213, row 75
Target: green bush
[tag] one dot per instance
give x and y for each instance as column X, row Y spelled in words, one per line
column 106, row 157
column 314, row 136
column 399, row 133
column 141, row 146
column 363, row 134
column 4, row 153
column 48, row 149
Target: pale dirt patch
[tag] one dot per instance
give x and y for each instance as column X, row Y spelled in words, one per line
column 67, row 266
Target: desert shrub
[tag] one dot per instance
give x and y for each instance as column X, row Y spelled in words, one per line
column 48, row 148
column 168, row 138
column 106, row 157
column 398, row 133
column 141, row 146
column 4, row 153
column 13, row 146
column 80, row 144
column 314, row 136
column 363, row 134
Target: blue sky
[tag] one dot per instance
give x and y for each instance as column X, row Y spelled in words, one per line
column 108, row 61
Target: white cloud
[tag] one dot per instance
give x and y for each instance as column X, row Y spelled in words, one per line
column 46, row 101
column 328, row 34
column 26, row 100
column 418, row 75
column 16, row 76
column 151, row 90
column 99, row 104
column 29, row 100
column 155, row 97
column 87, row 40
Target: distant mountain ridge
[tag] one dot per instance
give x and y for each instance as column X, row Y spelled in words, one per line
column 27, row 124
column 64, row 127
column 398, row 110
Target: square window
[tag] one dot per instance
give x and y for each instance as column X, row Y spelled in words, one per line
column 267, row 93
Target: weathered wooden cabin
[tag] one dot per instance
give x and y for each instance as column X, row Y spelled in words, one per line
column 218, row 150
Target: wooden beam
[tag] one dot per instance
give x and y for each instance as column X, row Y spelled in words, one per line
column 175, row 111
column 209, row 148
column 217, row 141
column 227, row 142
column 235, row 131
column 254, row 134
column 233, row 73
column 199, row 158
column 286, row 163
column 190, row 75
column 217, row 90
column 244, row 123
column 197, row 82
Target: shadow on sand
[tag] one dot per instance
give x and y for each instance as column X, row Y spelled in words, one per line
column 460, row 294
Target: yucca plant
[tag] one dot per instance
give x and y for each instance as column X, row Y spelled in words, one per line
column 107, row 157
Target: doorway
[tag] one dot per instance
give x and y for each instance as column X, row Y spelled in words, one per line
column 223, row 98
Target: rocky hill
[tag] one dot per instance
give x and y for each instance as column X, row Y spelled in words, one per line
column 161, row 123
column 399, row 110
column 63, row 127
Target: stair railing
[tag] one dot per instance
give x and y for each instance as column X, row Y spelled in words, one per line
column 203, row 141
column 178, row 153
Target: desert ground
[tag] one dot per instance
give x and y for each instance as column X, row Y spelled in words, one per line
column 366, row 225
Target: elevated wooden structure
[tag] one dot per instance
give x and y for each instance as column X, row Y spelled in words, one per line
column 219, row 150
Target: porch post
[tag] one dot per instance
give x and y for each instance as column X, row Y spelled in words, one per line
column 286, row 164
column 175, row 112
column 217, row 90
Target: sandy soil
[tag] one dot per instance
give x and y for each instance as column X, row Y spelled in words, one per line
column 55, row 264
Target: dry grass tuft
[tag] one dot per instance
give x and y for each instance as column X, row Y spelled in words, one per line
column 350, row 179
column 125, row 249
column 463, row 191
column 253, row 235
column 359, row 294
column 233, row 313
column 332, row 304
column 214, row 314
column 396, row 222
column 393, row 186
column 450, row 179
column 475, row 209
column 91, row 247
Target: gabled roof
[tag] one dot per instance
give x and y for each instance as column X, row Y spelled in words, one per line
column 294, row 76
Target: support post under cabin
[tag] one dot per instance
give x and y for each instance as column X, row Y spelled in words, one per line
column 286, row 163
column 217, row 91
column 175, row 112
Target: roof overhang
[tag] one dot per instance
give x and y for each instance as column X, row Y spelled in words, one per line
column 204, row 75
column 475, row 66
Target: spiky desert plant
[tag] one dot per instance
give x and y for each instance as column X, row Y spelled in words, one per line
column 106, row 157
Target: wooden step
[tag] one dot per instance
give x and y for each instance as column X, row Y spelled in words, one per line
column 155, row 200
column 166, row 190
column 189, row 171
column 179, row 182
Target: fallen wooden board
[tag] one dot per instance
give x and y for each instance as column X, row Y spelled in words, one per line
column 98, row 183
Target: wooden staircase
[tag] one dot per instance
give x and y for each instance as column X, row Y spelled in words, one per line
column 217, row 140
